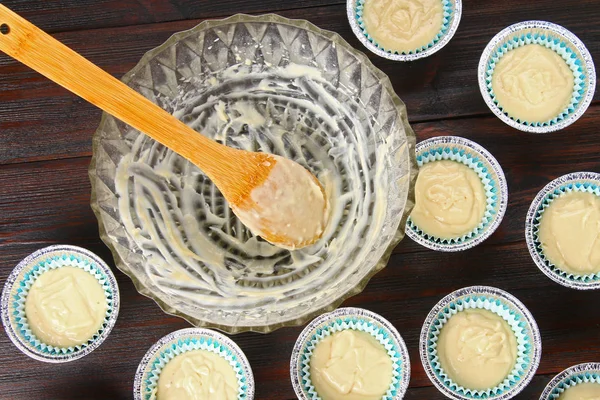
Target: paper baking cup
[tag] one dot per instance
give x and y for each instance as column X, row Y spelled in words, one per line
column 510, row 309
column 556, row 38
column 452, row 12
column 145, row 385
column 582, row 373
column 19, row 283
column 575, row 182
column 487, row 168
column 344, row 319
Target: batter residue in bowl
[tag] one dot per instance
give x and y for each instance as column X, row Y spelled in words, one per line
column 197, row 251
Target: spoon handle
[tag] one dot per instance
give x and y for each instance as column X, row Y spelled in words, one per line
column 33, row 47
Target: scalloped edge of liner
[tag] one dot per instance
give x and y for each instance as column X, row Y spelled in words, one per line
column 352, row 323
column 491, row 191
column 182, row 346
column 574, row 64
column 573, row 380
column 582, row 187
column 17, row 303
column 495, row 305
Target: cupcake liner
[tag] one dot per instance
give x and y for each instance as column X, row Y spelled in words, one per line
column 353, row 319
column 576, row 182
column 17, row 288
column 145, row 385
column 512, row 311
column 581, row 373
column 452, row 11
column 553, row 37
column 487, row 168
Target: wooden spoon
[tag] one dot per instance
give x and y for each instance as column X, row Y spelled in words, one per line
column 276, row 198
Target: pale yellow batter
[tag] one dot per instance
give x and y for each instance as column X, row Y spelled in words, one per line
column 403, row 25
column 65, row 307
column 532, row 83
column 570, row 233
column 450, row 199
column 582, row 391
column 290, row 204
column 477, row 349
column 350, row 365
column 197, row 375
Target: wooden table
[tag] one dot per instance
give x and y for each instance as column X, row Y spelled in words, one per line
column 45, row 150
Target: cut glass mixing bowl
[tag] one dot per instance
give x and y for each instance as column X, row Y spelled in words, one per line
column 264, row 84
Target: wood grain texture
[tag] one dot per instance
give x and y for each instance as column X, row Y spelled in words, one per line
column 70, row 15
column 36, row 210
column 441, row 86
column 45, row 148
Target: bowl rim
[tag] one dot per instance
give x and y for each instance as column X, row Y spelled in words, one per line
column 583, row 367
column 192, row 332
column 474, row 290
column 554, row 28
column 341, row 312
column 356, row 29
column 529, row 228
column 411, row 175
column 502, row 196
column 12, row 279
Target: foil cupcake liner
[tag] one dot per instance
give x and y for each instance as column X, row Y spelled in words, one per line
column 581, row 373
column 574, row 182
column 452, row 12
column 492, row 176
column 343, row 319
column 556, row 38
column 22, row 278
column 145, row 383
column 510, row 309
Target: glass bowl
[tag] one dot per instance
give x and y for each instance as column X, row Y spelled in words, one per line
column 267, row 84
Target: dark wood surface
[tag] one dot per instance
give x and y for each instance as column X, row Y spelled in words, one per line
column 45, row 149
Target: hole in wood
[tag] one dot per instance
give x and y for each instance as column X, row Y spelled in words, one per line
column 4, row 29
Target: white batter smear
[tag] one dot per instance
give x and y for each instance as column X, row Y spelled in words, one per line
column 198, row 253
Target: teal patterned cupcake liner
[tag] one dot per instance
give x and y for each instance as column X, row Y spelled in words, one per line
column 573, row 376
column 529, row 345
column 23, row 277
column 489, row 171
column 349, row 319
column 553, row 37
column 145, row 384
column 452, row 11
column 575, row 182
